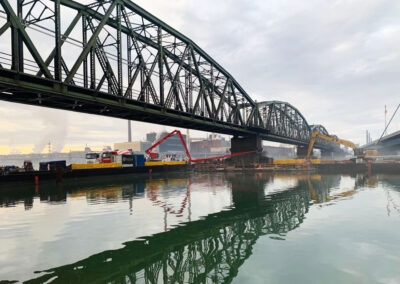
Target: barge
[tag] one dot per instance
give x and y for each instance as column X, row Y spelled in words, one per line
column 76, row 171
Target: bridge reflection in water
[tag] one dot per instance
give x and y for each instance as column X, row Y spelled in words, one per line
column 209, row 250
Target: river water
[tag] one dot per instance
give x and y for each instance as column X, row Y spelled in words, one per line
column 203, row 228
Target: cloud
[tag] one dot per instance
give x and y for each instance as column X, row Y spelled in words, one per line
column 336, row 61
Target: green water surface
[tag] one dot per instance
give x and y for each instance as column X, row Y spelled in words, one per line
column 203, row 228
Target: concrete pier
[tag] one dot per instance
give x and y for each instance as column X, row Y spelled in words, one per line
column 246, row 144
column 302, row 152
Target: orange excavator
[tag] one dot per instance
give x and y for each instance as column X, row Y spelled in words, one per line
column 154, row 155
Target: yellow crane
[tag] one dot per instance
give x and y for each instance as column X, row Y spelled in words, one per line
column 359, row 153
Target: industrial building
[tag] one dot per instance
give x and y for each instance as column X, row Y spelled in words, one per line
column 172, row 144
column 279, row 153
column 215, row 145
column 135, row 146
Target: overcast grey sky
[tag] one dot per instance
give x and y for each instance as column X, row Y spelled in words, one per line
column 338, row 62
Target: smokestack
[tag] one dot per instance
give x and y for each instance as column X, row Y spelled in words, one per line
column 187, row 139
column 129, row 131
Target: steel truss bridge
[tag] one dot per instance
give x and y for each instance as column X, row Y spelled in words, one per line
column 115, row 59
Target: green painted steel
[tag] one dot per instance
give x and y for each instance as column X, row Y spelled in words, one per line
column 129, row 64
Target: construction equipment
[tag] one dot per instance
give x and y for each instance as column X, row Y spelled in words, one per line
column 92, row 158
column 154, row 155
column 28, row 166
column 359, row 153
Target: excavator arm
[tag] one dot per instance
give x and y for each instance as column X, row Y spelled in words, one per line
column 177, row 132
column 329, row 138
column 148, row 151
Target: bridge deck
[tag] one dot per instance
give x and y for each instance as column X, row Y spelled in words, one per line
column 123, row 62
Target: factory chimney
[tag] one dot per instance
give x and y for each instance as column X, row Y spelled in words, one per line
column 187, row 139
column 129, row 131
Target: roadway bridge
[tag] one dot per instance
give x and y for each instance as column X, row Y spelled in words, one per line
column 388, row 145
column 115, row 59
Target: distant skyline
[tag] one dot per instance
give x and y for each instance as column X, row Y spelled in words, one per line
column 338, row 62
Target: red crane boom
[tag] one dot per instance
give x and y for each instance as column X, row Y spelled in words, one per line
column 151, row 154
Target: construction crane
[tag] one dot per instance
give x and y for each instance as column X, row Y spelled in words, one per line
column 154, row 155
column 359, row 153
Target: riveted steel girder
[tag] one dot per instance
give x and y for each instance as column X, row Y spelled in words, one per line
column 124, row 53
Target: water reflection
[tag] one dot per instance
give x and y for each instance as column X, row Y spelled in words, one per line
column 14, row 196
column 209, row 250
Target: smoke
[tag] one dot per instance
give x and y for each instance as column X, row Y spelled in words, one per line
column 54, row 130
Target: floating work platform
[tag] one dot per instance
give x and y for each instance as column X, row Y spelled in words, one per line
column 91, row 170
column 164, row 163
column 95, row 166
column 370, row 168
column 295, row 162
column 301, row 165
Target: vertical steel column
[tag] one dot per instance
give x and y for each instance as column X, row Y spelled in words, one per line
column 130, row 67
column 211, row 94
column 119, row 50
column 92, row 66
column 57, row 31
column 186, row 89
column 160, row 66
column 20, row 41
column 142, row 79
column 85, row 61
column 92, row 69
column 190, row 84
column 17, row 62
column 230, row 113
column 202, row 94
column 244, row 115
column 130, row 64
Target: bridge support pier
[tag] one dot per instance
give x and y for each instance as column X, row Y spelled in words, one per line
column 246, row 144
column 302, row 152
column 326, row 155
